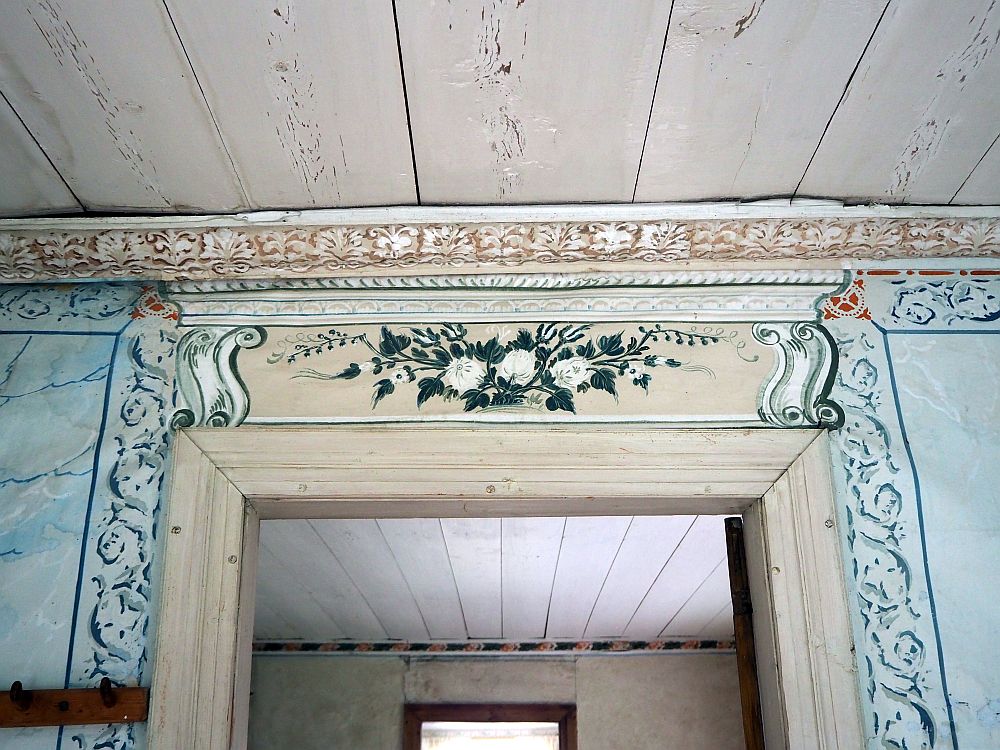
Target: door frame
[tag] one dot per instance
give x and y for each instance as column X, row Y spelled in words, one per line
column 225, row 481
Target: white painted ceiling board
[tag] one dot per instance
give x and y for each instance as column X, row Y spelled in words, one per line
column 528, row 102
column 703, row 605
column 366, row 557
column 530, row 553
column 589, row 547
column 474, row 549
column 299, row 548
column 647, row 546
column 704, row 544
column 308, row 95
column 107, row 92
column 484, row 578
column 745, row 91
column 921, row 110
column 286, row 593
column 417, row 544
column 983, row 185
column 268, row 622
column 28, row 183
column 721, row 626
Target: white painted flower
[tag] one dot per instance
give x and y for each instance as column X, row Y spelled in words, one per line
column 635, row 370
column 405, row 375
column 569, row 373
column 366, row 367
column 517, row 367
column 463, row 374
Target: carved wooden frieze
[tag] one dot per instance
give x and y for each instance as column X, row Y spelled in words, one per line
column 232, row 249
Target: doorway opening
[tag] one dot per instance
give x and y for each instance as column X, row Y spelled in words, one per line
column 227, row 481
column 626, row 620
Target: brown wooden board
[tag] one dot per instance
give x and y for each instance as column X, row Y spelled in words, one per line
column 746, row 659
column 44, row 708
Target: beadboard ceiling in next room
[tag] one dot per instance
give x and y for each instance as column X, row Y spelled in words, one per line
column 187, row 106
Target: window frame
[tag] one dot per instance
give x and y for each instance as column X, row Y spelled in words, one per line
column 563, row 714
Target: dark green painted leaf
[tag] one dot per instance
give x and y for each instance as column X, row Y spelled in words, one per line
column 428, row 389
column 611, row 345
column 476, row 400
column 561, row 400
column 391, row 345
column 524, row 340
column 382, row 389
column 604, row 379
column 350, row 372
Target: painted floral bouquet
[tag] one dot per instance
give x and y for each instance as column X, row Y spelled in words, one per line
column 544, row 368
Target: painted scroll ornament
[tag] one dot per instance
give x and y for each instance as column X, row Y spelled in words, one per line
column 210, row 392
column 797, row 393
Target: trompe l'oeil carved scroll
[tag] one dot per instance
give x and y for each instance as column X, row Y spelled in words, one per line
column 210, row 392
column 797, row 392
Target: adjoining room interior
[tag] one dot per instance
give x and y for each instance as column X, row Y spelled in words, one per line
column 622, row 623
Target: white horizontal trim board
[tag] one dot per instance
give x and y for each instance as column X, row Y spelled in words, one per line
column 781, row 208
column 224, row 481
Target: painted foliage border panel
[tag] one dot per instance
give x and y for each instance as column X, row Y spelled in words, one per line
column 903, row 672
column 114, row 607
column 202, row 700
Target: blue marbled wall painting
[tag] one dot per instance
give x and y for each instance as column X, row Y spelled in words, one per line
column 86, row 379
column 948, row 395
column 85, row 384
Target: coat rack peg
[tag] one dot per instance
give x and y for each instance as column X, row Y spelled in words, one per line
column 106, row 704
column 20, row 697
column 108, row 697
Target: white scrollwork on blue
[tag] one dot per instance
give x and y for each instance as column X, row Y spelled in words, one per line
column 81, row 301
column 119, row 575
column 897, row 655
column 947, row 303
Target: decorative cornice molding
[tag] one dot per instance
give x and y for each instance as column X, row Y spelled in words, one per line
column 248, row 250
column 508, row 281
column 693, row 296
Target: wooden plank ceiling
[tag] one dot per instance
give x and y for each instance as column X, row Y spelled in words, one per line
column 181, row 106
column 595, row 578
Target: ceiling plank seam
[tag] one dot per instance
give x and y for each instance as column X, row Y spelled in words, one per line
column 406, row 104
column 978, row 163
column 604, row 582
column 42, row 150
column 555, row 573
column 652, row 101
column 843, row 95
column 657, row 578
column 208, row 108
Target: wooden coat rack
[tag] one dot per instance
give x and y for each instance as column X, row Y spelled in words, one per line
column 102, row 705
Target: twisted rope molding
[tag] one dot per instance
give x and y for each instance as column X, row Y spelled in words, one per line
column 223, row 252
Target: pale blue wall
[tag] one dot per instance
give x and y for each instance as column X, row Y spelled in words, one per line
column 85, row 396
column 917, row 465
